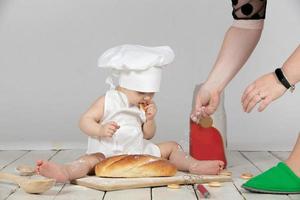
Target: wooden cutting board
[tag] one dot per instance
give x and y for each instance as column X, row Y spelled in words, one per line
column 109, row 184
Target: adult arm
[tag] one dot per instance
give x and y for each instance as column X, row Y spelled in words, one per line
column 267, row 88
column 239, row 42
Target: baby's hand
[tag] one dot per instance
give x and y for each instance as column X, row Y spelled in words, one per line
column 108, row 129
column 150, row 110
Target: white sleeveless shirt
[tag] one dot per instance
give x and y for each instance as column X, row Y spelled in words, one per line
column 128, row 139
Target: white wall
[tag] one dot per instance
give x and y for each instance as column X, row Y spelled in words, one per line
column 48, row 73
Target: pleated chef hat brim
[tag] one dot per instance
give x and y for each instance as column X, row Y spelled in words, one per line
column 139, row 67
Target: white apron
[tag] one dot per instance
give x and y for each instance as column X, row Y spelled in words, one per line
column 128, row 139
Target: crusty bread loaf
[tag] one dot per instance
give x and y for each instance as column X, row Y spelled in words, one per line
column 134, row 166
column 142, row 107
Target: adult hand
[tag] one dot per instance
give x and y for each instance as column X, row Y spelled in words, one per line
column 207, row 101
column 262, row 91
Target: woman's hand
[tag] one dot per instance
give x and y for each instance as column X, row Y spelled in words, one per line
column 206, row 103
column 262, row 91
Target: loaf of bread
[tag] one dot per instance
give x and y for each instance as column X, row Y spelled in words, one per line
column 142, row 106
column 134, row 166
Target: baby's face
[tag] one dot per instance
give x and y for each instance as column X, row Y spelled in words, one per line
column 141, row 97
column 135, row 97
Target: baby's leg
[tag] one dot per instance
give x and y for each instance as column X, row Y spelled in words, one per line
column 66, row 172
column 173, row 152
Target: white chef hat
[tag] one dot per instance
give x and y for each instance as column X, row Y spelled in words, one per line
column 138, row 67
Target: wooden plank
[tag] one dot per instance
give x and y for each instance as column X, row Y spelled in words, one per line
column 109, row 184
column 263, row 160
column 185, row 192
column 239, row 164
column 226, row 192
column 65, row 156
column 6, row 189
column 281, row 155
column 7, row 157
column 294, row 196
column 28, row 158
column 76, row 192
column 49, row 195
column 259, row 196
column 132, row 194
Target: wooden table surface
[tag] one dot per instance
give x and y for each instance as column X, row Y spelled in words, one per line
column 239, row 162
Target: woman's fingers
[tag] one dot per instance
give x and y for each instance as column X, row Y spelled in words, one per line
column 264, row 103
column 255, row 100
column 206, row 105
column 212, row 105
column 255, row 97
column 247, row 91
column 262, row 91
column 197, row 110
column 249, row 97
column 197, row 115
column 198, row 106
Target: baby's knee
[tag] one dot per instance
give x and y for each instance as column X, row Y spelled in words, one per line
column 98, row 156
column 93, row 160
column 175, row 145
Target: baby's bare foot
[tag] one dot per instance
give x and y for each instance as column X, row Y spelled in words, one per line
column 206, row 167
column 52, row 170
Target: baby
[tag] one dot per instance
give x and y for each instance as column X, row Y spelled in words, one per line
column 123, row 121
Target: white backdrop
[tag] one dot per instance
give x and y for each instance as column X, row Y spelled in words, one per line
column 48, row 73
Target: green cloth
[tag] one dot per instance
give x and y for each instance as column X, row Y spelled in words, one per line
column 279, row 179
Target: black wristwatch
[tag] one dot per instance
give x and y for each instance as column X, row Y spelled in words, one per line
column 283, row 80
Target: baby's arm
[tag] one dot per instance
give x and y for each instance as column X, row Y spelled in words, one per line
column 149, row 127
column 89, row 122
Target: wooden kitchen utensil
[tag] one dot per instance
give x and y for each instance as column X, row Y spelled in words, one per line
column 34, row 186
column 109, row 184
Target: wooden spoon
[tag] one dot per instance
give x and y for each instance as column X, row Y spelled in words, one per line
column 25, row 170
column 34, row 186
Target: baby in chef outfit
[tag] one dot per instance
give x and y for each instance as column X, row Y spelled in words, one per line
column 122, row 121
